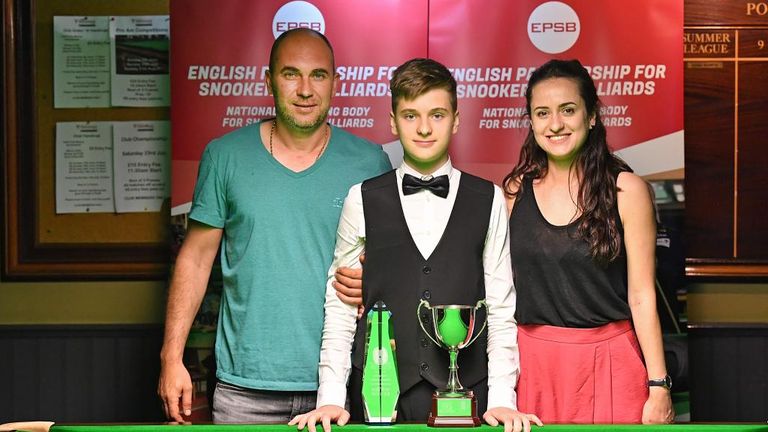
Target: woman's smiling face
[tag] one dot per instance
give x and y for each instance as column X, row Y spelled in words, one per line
column 559, row 118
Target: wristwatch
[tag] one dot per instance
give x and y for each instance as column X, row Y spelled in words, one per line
column 665, row 382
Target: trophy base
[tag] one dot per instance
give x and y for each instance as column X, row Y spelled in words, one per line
column 453, row 409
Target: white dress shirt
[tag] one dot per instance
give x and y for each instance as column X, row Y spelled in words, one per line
column 427, row 216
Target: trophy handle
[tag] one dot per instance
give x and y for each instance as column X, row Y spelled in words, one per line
column 485, row 322
column 421, row 323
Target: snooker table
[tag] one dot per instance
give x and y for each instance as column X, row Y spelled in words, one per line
column 684, row 427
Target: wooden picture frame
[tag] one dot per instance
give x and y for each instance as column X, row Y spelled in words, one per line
column 39, row 244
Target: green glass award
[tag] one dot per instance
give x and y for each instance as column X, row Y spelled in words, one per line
column 381, row 387
column 454, row 329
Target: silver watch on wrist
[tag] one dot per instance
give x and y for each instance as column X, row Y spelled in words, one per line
column 665, row 382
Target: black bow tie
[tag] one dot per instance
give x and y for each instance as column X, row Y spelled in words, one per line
column 437, row 185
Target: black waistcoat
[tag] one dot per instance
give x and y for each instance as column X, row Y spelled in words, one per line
column 397, row 273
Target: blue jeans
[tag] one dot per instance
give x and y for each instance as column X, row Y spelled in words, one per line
column 233, row 404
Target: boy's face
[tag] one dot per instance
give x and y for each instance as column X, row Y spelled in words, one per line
column 425, row 125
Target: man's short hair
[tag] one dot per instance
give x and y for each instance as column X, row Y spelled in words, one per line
column 418, row 76
column 300, row 30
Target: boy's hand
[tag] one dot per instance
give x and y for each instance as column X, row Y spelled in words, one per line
column 325, row 415
column 514, row 421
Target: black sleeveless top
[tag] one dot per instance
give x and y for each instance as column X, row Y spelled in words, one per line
column 556, row 279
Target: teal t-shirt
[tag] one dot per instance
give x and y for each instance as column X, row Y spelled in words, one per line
column 279, row 234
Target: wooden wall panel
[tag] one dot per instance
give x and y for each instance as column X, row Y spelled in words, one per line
column 753, row 160
column 80, row 374
column 50, row 378
column 709, row 133
column 728, row 373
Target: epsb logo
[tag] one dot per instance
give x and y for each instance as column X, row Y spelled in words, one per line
column 553, row 27
column 297, row 14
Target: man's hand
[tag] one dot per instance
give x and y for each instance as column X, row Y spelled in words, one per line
column 325, row 415
column 175, row 384
column 514, row 421
column 349, row 286
column 658, row 408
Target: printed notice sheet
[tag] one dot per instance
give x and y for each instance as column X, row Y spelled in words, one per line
column 81, row 62
column 140, row 60
column 84, row 167
column 142, row 165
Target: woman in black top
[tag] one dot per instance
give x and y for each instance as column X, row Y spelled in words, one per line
column 582, row 239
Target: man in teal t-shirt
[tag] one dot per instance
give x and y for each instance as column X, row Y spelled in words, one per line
column 270, row 194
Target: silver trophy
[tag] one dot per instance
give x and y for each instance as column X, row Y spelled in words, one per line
column 454, row 329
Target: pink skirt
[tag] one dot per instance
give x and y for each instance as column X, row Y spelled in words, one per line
column 575, row 375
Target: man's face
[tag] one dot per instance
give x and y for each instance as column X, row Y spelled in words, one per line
column 302, row 82
column 425, row 125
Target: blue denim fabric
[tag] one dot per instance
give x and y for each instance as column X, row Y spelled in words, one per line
column 233, row 404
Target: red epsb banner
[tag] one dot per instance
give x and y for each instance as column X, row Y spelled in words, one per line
column 220, row 52
column 633, row 51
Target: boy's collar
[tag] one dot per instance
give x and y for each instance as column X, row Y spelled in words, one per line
column 446, row 168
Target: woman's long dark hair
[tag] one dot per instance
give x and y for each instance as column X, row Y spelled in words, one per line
column 597, row 167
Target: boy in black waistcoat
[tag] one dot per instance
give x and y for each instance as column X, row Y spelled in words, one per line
column 432, row 232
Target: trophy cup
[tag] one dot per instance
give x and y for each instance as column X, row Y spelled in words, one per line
column 453, row 325
column 381, row 388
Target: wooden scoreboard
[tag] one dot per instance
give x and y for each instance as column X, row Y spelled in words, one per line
column 726, row 137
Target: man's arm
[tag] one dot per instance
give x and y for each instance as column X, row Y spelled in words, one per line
column 503, row 355
column 188, row 285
